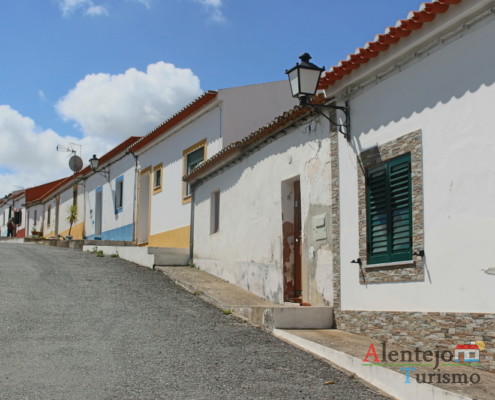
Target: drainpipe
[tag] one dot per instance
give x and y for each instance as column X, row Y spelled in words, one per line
column 191, row 227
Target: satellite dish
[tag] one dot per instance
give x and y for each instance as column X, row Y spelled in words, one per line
column 75, row 163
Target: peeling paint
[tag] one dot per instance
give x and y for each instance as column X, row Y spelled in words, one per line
column 288, row 259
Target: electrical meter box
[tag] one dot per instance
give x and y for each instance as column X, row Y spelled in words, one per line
column 319, row 226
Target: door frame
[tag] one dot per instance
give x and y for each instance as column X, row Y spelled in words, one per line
column 144, row 207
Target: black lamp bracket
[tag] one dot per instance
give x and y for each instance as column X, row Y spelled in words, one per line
column 344, row 128
column 103, row 172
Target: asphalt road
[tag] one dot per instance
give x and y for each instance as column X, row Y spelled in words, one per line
column 77, row 326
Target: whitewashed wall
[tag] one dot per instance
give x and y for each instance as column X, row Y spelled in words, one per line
column 167, row 209
column 115, row 226
column 66, row 200
column 34, row 221
column 449, row 96
column 4, row 218
column 247, row 108
column 49, row 219
column 247, row 249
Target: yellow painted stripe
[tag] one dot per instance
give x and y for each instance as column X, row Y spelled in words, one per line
column 178, row 238
column 77, row 231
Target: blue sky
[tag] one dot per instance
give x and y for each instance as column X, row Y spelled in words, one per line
column 94, row 72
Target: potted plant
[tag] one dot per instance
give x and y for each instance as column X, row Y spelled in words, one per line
column 71, row 218
column 35, row 233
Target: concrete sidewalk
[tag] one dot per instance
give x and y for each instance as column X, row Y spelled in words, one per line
column 344, row 350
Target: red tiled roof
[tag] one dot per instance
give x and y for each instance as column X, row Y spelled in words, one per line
column 60, row 183
column 273, row 127
column 118, row 149
column 392, row 35
column 104, row 158
column 190, row 109
column 416, row 19
column 35, row 193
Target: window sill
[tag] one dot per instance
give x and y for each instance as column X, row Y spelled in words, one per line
column 157, row 190
column 186, row 199
column 406, row 263
column 119, row 210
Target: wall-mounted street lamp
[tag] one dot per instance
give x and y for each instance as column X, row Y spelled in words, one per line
column 304, row 78
column 93, row 162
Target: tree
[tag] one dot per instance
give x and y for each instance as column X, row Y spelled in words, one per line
column 71, row 216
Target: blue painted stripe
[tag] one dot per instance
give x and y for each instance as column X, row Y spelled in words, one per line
column 124, row 233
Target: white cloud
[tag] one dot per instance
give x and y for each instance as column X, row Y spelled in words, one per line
column 96, row 10
column 214, row 9
column 28, row 156
column 115, row 107
column 88, row 7
column 108, row 109
column 146, row 3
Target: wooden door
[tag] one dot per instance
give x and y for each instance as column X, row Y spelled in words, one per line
column 297, row 240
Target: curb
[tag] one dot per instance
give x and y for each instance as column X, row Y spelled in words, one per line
column 390, row 382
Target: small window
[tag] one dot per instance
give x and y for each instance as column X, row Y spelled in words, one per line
column 18, row 217
column 119, row 194
column 157, row 178
column 193, row 156
column 215, row 212
column 49, row 216
column 389, row 211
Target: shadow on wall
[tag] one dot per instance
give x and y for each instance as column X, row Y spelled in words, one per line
column 461, row 67
column 313, row 129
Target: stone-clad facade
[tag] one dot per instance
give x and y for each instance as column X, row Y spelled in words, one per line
column 409, row 143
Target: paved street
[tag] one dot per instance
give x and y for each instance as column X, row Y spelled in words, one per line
column 77, row 326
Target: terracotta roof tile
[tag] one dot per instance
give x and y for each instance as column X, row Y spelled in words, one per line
column 124, row 146
column 233, row 149
column 36, row 192
column 190, row 109
column 415, row 20
column 382, row 42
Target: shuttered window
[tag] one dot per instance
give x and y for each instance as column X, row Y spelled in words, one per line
column 193, row 159
column 389, row 211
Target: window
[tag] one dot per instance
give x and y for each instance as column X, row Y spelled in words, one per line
column 18, row 217
column 215, row 212
column 389, row 211
column 193, row 156
column 49, row 216
column 157, row 178
column 35, row 217
column 119, row 194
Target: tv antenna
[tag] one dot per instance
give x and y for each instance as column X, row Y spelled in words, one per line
column 75, row 162
column 70, row 149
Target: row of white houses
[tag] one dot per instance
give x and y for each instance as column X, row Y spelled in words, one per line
column 391, row 224
column 136, row 193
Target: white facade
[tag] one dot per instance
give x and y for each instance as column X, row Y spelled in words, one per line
column 163, row 215
column 254, row 245
column 445, row 93
column 109, row 200
column 4, row 216
column 34, row 219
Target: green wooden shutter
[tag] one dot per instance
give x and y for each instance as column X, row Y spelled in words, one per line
column 389, row 211
column 194, row 158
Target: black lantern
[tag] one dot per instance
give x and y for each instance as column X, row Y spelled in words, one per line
column 304, row 78
column 94, row 162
